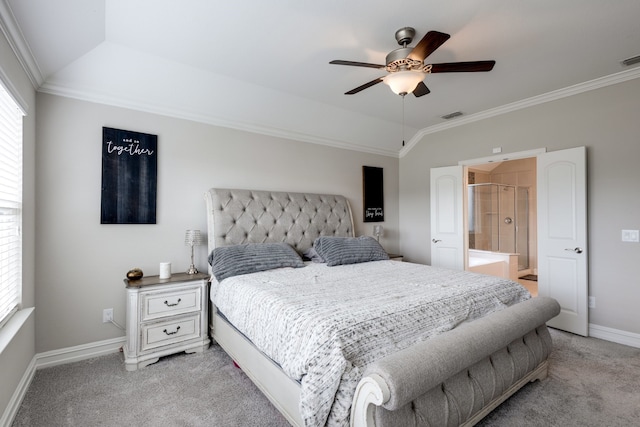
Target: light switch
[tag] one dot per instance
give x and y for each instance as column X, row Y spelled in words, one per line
column 631, row 235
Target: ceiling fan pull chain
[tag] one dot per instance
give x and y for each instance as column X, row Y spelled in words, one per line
column 403, row 119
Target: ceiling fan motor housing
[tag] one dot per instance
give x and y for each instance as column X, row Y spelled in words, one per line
column 398, row 60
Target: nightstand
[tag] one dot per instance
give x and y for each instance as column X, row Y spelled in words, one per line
column 165, row 316
column 395, row 257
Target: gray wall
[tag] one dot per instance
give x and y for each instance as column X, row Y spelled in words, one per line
column 606, row 122
column 81, row 264
column 20, row 351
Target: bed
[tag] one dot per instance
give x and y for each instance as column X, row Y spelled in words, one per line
column 448, row 368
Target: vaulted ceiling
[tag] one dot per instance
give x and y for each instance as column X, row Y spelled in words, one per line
column 263, row 66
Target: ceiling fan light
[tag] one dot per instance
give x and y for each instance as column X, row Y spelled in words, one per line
column 403, row 82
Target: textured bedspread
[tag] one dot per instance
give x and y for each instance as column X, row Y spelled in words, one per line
column 324, row 325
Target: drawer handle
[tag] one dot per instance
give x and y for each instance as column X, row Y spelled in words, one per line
column 172, row 333
column 172, row 305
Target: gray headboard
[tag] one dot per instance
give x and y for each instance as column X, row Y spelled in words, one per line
column 249, row 216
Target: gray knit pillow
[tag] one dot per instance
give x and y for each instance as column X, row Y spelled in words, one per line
column 228, row 261
column 349, row 250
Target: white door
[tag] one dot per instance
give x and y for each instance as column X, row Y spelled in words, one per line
column 562, row 236
column 447, row 227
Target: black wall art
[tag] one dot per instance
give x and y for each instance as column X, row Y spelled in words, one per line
column 129, row 177
column 373, row 194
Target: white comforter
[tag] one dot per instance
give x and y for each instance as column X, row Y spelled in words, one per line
column 324, row 325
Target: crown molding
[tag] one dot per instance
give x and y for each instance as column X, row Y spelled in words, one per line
column 297, row 136
column 89, row 96
column 598, row 83
column 16, row 40
column 14, row 92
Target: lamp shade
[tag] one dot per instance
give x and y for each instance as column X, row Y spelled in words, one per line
column 193, row 238
column 403, row 82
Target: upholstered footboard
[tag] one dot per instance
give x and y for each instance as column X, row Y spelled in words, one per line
column 460, row 376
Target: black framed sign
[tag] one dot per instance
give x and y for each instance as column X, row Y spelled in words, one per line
column 129, row 177
column 373, row 194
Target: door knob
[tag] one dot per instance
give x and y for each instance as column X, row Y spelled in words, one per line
column 436, row 240
column 576, row 250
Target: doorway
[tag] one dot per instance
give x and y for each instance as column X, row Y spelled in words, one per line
column 561, row 227
column 501, row 220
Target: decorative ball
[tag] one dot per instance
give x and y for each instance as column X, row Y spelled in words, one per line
column 134, row 274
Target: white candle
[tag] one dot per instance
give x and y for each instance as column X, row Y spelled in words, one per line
column 165, row 270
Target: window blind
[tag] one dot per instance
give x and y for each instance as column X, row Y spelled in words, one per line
column 10, row 205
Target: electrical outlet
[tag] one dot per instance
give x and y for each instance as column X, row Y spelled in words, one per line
column 592, row 302
column 107, row 315
column 631, row 235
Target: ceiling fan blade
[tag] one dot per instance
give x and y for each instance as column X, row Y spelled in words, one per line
column 429, row 43
column 356, row 64
column 421, row 90
column 364, row 86
column 461, row 67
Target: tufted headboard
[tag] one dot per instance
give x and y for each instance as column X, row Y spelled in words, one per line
column 249, row 216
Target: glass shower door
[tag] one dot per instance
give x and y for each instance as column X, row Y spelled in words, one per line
column 507, row 219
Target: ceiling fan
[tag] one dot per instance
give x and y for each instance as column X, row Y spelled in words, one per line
column 406, row 68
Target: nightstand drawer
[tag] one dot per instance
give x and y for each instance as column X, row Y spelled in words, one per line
column 155, row 305
column 172, row 331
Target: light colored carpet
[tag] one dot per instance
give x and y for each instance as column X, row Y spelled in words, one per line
column 591, row 383
column 200, row 389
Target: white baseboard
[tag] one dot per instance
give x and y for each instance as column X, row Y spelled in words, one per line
column 11, row 410
column 79, row 352
column 52, row 358
column 614, row 335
